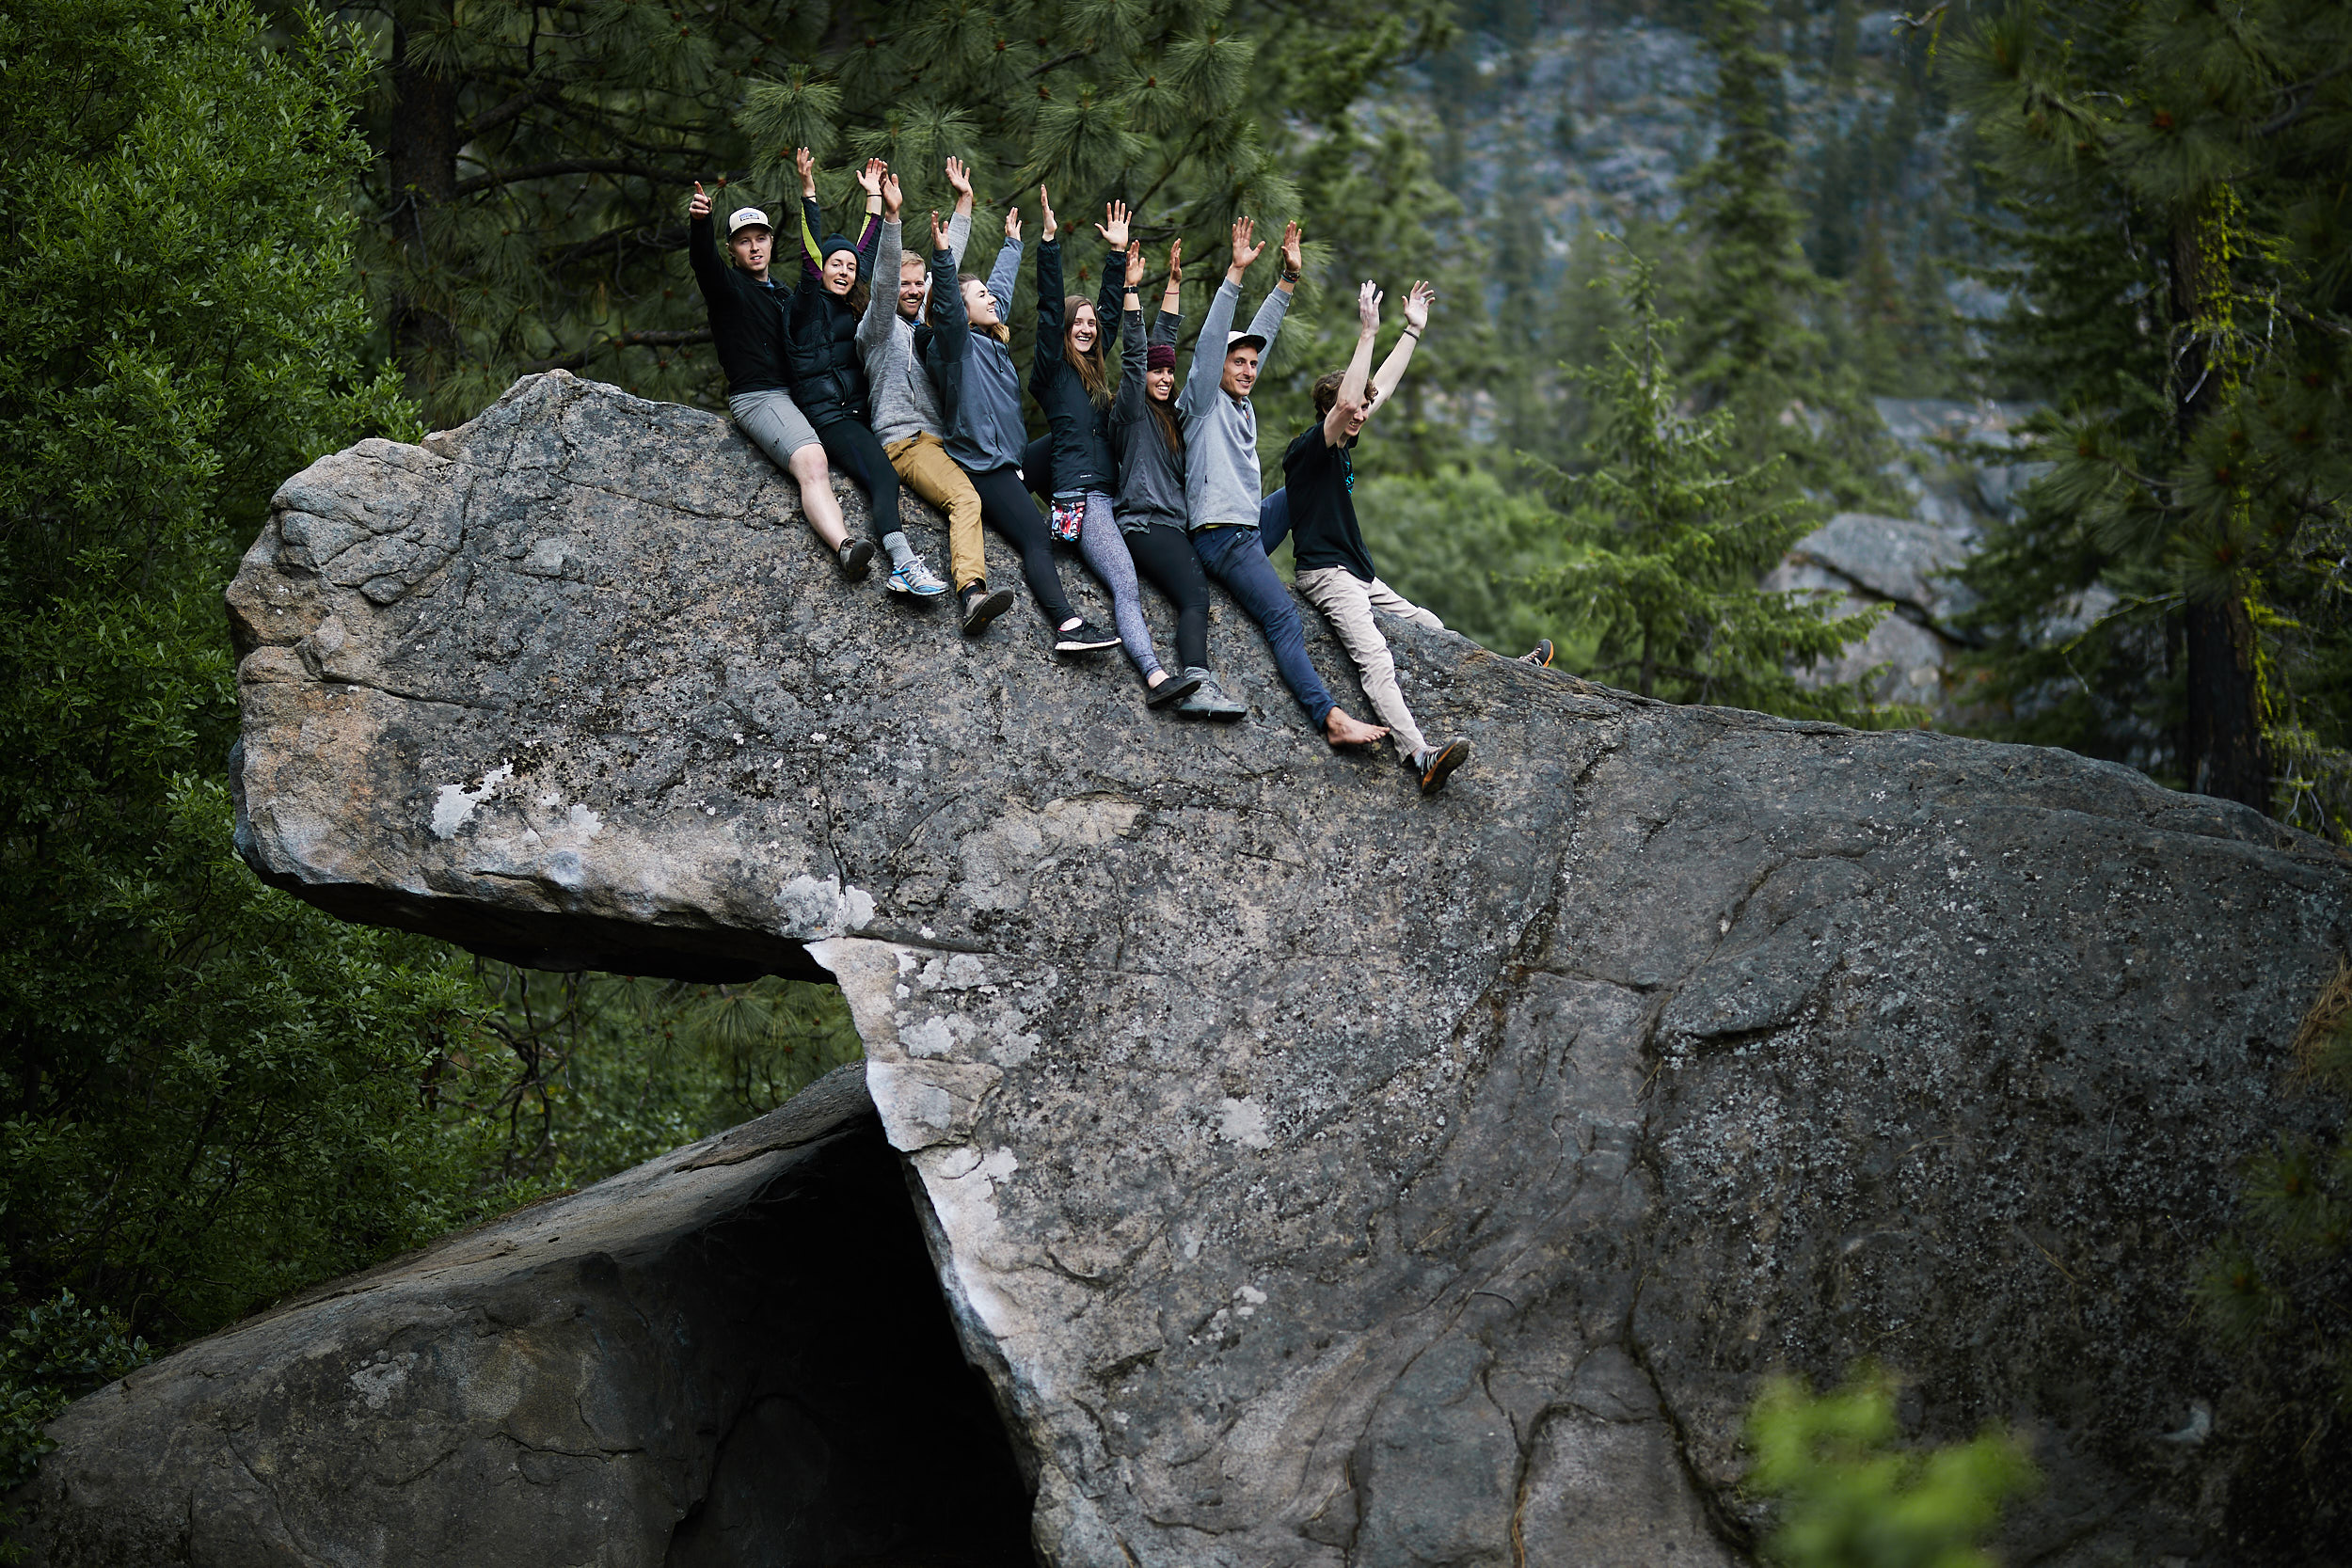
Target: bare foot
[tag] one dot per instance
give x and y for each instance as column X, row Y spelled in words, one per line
column 1342, row 730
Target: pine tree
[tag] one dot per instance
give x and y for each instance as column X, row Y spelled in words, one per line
column 1758, row 347
column 528, row 205
column 1674, row 530
column 212, row 1088
column 2189, row 160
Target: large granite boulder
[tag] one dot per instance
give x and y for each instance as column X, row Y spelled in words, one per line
column 1318, row 1174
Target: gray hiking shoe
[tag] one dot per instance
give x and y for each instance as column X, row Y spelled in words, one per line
column 1208, row 699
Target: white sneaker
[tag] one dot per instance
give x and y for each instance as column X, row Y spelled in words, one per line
column 916, row 579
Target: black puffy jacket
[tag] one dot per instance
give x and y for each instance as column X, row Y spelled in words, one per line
column 820, row 348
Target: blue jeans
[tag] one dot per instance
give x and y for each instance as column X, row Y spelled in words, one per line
column 1232, row 556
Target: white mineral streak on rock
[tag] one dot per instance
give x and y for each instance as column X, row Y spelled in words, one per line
column 808, row 907
column 376, row 1381
column 454, row 807
column 1243, row 1121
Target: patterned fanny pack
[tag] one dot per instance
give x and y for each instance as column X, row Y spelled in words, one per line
column 1069, row 520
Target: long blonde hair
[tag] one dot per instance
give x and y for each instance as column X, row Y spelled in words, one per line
column 1092, row 374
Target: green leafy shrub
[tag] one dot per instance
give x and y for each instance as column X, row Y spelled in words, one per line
column 1849, row 1496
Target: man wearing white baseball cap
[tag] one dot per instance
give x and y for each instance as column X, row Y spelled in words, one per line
column 747, row 328
column 1222, row 482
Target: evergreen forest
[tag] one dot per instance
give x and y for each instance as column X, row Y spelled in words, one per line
column 2071, row 280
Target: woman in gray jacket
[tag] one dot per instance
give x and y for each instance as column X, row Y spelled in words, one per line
column 1148, row 447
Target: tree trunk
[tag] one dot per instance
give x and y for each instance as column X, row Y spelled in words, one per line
column 2227, row 756
column 420, row 166
column 2225, row 752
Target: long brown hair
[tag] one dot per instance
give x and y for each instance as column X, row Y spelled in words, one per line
column 1092, row 375
column 1002, row 333
column 1164, row 415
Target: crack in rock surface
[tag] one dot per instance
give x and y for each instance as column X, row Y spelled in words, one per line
column 1316, row 1174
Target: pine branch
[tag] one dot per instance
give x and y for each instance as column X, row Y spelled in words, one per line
column 661, row 338
column 493, row 181
column 2301, row 94
column 514, row 108
column 673, row 237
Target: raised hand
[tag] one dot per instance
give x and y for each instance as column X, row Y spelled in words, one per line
column 805, row 161
column 1114, row 225
column 892, row 197
column 1290, row 247
column 700, row 206
column 1134, row 264
column 939, row 233
column 1012, row 223
column 869, row 179
column 1176, row 259
column 1417, row 305
column 1045, row 218
column 1244, row 252
column 1368, row 306
column 960, row 178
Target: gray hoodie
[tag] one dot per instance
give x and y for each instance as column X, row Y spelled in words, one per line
column 905, row 403
column 1221, row 481
column 1150, row 472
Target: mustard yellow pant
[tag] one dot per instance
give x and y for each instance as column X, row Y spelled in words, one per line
column 922, row 462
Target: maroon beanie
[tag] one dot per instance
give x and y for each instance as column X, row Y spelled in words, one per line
column 1162, row 357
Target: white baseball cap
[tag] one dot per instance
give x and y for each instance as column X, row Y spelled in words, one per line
column 743, row 217
column 1234, row 341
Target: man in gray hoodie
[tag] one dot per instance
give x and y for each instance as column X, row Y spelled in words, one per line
column 907, row 419
column 1222, row 485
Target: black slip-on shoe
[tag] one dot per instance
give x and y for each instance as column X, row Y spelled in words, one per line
column 1437, row 765
column 856, row 556
column 1174, row 690
column 983, row 605
column 1539, row 656
column 1085, row 638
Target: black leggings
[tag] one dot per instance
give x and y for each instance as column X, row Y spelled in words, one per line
column 1163, row 553
column 855, row 451
column 1006, row 507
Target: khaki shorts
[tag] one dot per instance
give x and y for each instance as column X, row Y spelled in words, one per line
column 774, row 423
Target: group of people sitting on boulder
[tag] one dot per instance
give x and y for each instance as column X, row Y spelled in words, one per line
column 831, row 372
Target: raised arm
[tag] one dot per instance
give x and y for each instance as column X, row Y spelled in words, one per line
column 960, row 224
column 882, row 303
column 950, row 321
column 1384, row 381
column 1351, row 398
column 702, row 248
column 1133, row 353
column 1208, row 350
column 870, row 180
column 812, row 262
column 1114, row 232
column 1268, row 323
column 1005, row 276
column 1049, row 310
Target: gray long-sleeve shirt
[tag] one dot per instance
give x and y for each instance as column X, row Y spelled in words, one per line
column 1150, row 472
column 904, row 402
column 1221, row 480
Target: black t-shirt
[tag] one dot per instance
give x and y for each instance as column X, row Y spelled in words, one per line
column 1322, row 483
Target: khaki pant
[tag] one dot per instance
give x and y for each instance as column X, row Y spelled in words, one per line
column 923, row 462
column 1347, row 602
